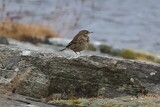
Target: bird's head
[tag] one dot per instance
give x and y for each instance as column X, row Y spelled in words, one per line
column 85, row 32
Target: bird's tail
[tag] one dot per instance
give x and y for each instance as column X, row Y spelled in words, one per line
column 63, row 49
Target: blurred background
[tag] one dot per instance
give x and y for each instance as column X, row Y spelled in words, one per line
column 121, row 23
column 133, row 24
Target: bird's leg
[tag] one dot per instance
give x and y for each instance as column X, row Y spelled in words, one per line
column 76, row 54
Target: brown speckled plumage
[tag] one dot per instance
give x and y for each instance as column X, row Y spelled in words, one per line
column 79, row 42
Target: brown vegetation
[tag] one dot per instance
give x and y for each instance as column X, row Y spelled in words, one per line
column 26, row 32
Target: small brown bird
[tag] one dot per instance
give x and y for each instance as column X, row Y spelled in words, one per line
column 79, row 42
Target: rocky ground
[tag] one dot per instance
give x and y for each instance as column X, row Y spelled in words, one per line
column 14, row 100
column 91, row 79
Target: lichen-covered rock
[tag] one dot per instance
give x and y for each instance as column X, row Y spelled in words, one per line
column 40, row 75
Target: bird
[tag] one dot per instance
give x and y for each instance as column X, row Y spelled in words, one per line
column 79, row 42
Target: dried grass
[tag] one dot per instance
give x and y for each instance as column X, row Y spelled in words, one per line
column 26, row 32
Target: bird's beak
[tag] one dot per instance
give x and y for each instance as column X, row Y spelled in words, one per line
column 90, row 32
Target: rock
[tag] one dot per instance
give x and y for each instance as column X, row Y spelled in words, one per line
column 129, row 54
column 15, row 100
column 3, row 40
column 128, row 101
column 41, row 75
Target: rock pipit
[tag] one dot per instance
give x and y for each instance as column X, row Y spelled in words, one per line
column 79, row 42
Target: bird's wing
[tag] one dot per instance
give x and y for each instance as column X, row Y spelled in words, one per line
column 74, row 41
column 71, row 43
column 88, row 39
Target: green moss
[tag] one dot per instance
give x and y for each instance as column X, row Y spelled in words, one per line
column 131, row 54
column 128, row 54
column 91, row 47
column 76, row 102
column 115, row 52
column 157, row 60
column 105, row 48
column 142, row 101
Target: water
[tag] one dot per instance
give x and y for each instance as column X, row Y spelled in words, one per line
column 123, row 23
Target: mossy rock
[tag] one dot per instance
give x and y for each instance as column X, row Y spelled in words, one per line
column 149, row 100
column 91, row 47
column 128, row 54
column 115, row 52
column 105, row 48
column 157, row 60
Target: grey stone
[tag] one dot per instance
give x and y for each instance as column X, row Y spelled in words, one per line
column 40, row 75
column 15, row 100
column 3, row 40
